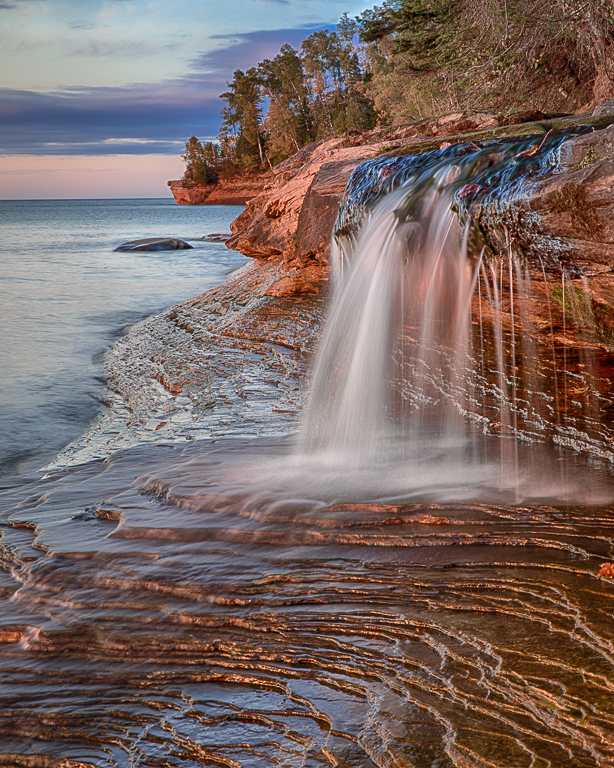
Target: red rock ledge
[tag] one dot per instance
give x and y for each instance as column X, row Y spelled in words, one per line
column 234, row 191
column 292, row 217
column 291, row 220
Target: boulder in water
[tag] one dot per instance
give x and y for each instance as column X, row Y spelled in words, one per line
column 154, row 244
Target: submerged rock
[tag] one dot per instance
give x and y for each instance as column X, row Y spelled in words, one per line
column 154, row 244
column 216, row 237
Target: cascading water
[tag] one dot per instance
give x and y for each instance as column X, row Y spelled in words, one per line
column 433, row 341
column 401, row 303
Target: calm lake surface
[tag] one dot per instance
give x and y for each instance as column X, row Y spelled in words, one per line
column 65, row 296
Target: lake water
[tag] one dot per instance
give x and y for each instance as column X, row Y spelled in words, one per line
column 225, row 603
column 66, row 295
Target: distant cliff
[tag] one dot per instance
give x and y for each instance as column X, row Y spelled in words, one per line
column 237, row 190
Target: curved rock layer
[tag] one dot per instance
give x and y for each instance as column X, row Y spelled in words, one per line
column 232, row 361
column 182, row 606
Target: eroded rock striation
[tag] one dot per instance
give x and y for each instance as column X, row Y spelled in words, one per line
column 294, row 214
column 230, row 362
column 237, row 190
column 568, row 213
column 567, row 218
column 237, row 356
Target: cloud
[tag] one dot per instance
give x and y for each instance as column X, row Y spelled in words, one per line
column 117, row 48
column 9, row 5
column 248, row 49
column 143, row 119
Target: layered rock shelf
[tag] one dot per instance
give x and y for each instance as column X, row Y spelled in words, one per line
column 293, row 216
column 272, row 309
column 233, row 191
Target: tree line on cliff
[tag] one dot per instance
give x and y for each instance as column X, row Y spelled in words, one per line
column 408, row 60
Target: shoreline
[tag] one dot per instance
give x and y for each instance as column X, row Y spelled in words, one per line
column 230, row 362
column 162, row 375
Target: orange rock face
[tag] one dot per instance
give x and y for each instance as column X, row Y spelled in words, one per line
column 294, row 214
column 234, row 191
column 606, row 571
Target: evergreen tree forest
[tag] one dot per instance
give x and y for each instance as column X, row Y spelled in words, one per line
column 409, row 60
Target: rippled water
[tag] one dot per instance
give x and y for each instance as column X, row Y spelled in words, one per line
column 221, row 604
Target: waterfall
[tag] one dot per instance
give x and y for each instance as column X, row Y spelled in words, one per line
column 432, row 338
column 405, row 277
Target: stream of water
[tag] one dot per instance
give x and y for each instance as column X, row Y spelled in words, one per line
column 412, row 581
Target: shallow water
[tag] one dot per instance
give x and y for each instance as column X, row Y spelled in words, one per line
column 244, row 603
column 225, row 603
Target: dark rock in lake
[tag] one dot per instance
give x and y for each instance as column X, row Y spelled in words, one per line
column 154, row 244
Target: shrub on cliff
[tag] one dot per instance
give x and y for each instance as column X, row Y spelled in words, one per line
column 428, row 57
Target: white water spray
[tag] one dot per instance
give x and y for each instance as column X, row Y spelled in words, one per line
column 400, row 308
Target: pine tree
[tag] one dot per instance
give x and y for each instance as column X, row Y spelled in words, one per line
column 202, row 161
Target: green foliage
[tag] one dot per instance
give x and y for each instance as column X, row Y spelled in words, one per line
column 585, row 312
column 427, row 57
column 411, row 59
column 589, row 158
column 202, row 161
column 241, row 132
column 288, row 121
column 274, row 109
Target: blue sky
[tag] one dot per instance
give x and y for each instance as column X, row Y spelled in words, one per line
column 122, row 84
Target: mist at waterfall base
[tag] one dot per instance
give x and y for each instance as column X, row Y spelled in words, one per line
column 411, row 579
column 418, row 396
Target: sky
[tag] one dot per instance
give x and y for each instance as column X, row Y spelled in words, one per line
column 98, row 97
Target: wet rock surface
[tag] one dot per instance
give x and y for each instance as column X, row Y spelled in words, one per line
column 538, row 226
column 565, row 218
column 223, row 603
column 295, row 212
column 159, row 608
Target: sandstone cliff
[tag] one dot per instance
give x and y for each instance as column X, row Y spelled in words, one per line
column 234, row 191
column 293, row 215
column 292, row 218
column 566, row 219
column 237, row 355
